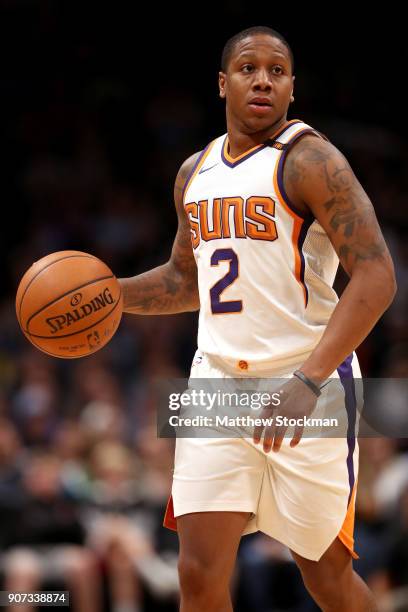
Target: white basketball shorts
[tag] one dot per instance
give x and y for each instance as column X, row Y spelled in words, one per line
column 303, row 497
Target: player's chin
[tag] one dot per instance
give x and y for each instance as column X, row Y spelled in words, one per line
column 263, row 115
column 260, row 123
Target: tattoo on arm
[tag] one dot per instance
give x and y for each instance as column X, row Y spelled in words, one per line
column 172, row 287
column 337, row 200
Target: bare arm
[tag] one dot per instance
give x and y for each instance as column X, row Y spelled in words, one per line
column 318, row 178
column 172, row 287
column 318, row 175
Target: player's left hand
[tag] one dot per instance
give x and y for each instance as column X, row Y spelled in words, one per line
column 296, row 401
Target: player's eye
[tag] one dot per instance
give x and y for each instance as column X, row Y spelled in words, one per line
column 247, row 68
column 278, row 68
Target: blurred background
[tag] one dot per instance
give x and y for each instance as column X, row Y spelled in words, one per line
column 99, row 107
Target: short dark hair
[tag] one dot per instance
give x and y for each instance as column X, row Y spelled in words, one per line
column 232, row 42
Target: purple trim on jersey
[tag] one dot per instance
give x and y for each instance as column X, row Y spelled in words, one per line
column 346, row 377
column 281, row 163
column 266, row 144
column 302, row 235
column 236, row 163
column 193, row 170
column 279, row 134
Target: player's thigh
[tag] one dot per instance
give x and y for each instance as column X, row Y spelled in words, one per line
column 334, row 570
column 209, row 541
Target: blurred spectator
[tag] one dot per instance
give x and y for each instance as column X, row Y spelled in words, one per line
column 122, row 522
column 395, row 575
column 44, row 536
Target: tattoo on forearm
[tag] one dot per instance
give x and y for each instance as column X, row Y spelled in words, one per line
column 172, row 287
column 162, row 291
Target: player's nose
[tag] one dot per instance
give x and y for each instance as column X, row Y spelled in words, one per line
column 262, row 79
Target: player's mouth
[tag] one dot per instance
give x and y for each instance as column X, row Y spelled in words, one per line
column 260, row 105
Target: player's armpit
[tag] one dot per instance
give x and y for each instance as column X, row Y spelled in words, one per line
column 320, row 176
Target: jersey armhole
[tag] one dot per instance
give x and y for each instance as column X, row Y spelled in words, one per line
column 196, row 166
column 300, row 213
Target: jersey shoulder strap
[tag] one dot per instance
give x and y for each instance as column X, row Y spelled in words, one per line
column 292, row 133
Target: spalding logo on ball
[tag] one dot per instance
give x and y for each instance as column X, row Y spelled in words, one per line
column 69, row 304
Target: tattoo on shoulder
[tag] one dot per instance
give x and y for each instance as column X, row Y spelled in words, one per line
column 350, row 215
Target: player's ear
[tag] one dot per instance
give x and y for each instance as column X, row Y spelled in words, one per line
column 221, row 83
column 292, row 98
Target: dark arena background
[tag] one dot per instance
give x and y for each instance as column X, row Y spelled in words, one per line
column 99, row 107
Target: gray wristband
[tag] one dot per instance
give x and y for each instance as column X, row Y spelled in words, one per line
column 307, row 382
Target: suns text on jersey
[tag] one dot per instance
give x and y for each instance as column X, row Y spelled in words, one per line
column 232, row 217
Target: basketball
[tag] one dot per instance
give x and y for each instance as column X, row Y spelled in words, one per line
column 69, row 304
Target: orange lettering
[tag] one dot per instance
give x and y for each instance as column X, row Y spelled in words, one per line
column 206, row 234
column 267, row 205
column 192, row 213
column 238, row 204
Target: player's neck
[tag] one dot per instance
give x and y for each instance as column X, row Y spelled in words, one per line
column 239, row 142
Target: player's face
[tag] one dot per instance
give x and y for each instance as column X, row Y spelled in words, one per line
column 258, row 83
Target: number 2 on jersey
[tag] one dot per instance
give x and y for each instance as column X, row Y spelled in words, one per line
column 218, row 307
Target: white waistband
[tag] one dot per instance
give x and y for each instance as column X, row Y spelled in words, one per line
column 270, row 368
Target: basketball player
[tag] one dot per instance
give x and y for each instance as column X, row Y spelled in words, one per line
column 265, row 213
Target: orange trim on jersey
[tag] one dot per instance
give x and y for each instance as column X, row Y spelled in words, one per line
column 297, row 221
column 346, row 534
column 297, row 226
column 275, row 179
column 235, row 159
column 197, row 168
column 169, row 519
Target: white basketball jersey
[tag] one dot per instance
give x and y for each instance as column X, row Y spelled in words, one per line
column 265, row 270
